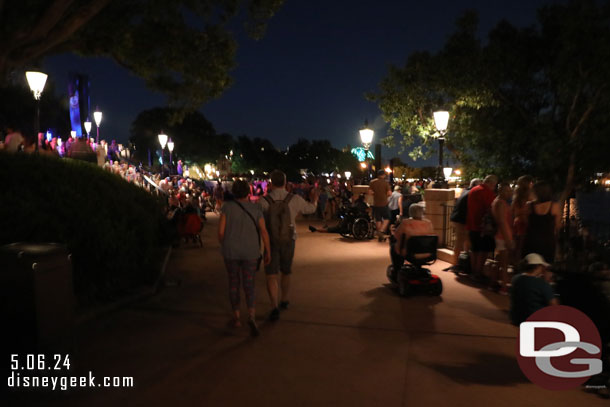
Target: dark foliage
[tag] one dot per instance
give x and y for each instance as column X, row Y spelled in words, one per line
column 112, row 228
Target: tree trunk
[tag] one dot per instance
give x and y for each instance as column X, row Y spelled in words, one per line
column 569, row 185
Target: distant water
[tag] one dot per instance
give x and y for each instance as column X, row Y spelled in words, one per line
column 594, row 211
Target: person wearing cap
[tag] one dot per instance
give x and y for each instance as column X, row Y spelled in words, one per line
column 530, row 291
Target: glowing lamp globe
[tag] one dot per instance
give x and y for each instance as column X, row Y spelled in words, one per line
column 97, row 116
column 88, row 127
column 36, row 80
column 162, row 140
column 170, row 145
column 366, row 135
column 447, row 171
column 441, row 120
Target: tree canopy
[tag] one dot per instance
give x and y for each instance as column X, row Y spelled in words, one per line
column 182, row 48
column 527, row 100
column 195, row 137
column 17, row 109
column 197, row 141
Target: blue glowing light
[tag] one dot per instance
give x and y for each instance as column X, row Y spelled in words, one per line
column 361, row 154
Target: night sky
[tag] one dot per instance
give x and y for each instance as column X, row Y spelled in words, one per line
column 307, row 77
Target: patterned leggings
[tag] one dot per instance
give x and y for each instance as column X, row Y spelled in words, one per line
column 244, row 269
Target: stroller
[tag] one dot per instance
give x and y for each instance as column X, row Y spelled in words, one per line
column 412, row 278
column 190, row 227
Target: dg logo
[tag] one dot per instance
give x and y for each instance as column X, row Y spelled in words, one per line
column 559, row 348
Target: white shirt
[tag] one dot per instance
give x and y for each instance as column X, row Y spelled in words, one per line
column 393, row 200
column 297, row 204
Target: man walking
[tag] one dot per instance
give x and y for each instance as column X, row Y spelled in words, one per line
column 281, row 208
column 480, row 199
column 381, row 190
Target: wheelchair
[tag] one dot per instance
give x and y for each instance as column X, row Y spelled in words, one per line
column 413, row 278
column 356, row 223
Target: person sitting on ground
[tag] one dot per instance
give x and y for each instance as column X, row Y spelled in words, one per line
column 530, row 291
column 415, row 225
column 359, row 206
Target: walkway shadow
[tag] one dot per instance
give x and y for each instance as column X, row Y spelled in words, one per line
column 488, row 369
column 351, row 240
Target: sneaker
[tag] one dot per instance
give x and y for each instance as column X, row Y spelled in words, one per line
column 312, row 229
column 284, row 305
column 253, row 327
column 275, row 314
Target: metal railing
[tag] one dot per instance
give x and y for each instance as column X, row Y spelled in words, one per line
column 448, row 238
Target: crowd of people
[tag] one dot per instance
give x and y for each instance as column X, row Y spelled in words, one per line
column 518, row 228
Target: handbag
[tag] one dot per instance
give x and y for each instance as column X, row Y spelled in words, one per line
column 258, row 232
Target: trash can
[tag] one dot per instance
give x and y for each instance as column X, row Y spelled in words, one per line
column 37, row 298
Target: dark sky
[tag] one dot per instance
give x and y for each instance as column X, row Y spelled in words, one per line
column 307, row 77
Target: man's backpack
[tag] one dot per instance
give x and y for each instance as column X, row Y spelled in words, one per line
column 278, row 219
column 460, row 210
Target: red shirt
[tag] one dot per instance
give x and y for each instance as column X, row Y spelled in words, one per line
column 479, row 203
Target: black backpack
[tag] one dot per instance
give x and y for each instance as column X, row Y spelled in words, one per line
column 460, row 210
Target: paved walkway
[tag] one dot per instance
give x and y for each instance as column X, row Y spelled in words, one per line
column 347, row 340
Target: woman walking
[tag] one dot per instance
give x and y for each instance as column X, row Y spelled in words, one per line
column 543, row 223
column 240, row 229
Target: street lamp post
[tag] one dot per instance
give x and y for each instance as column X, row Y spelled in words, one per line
column 366, row 136
column 36, row 80
column 97, row 116
column 170, row 147
column 441, row 120
column 88, row 127
column 163, row 141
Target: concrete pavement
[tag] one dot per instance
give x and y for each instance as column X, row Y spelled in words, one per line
column 346, row 340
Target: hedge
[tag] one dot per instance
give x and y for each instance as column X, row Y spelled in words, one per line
column 113, row 229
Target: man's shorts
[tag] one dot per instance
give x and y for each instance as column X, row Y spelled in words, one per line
column 381, row 213
column 479, row 243
column 281, row 258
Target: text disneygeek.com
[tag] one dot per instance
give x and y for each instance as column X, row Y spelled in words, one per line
column 17, row 381
column 23, row 376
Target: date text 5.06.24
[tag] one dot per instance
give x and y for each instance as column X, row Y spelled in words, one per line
column 40, row 362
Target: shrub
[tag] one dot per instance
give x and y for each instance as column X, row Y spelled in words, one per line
column 113, row 229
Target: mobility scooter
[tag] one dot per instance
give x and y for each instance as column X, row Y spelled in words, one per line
column 412, row 278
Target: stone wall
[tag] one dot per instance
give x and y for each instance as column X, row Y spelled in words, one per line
column 434, row 200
